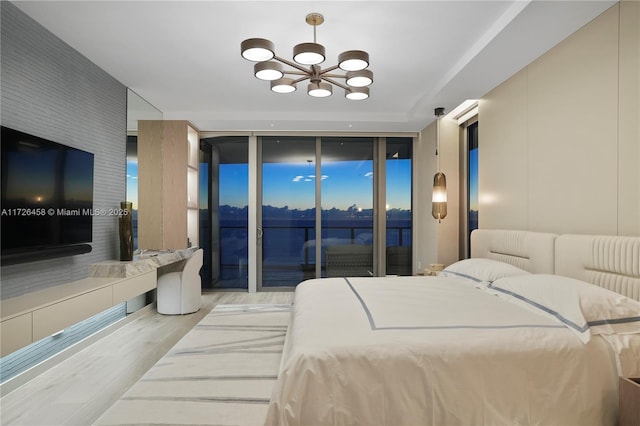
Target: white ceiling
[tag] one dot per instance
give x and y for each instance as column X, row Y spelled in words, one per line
column 184, row 56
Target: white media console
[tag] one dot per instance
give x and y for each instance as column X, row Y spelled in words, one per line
column 31, row 317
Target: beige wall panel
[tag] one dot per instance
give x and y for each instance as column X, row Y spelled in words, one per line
column 629, row 124
column 15, row 333
column 449, row 227
column 572, row 110
column 502, row 156
column 580, row 109
column 175, row 156
column 150, row 137
column 61, row 315
column 424, row 225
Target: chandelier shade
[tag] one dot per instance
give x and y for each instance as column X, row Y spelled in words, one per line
column 268, row 70
column 283, row 85
column 353, row 60
column 309, row 53
column 257, row 49
column 319, row 90
column 360, row 78
column 357, row 93
column 305, row 66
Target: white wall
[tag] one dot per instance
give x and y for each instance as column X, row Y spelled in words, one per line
column 560, row 140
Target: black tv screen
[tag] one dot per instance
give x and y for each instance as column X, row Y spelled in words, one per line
column 47, row 194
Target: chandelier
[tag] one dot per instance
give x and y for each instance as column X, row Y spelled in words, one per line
column 307, row 57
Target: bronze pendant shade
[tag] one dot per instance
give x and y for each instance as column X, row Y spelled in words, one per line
column 439, row 199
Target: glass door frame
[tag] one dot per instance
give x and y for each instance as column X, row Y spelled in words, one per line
column 464, row 243
column 255, row 216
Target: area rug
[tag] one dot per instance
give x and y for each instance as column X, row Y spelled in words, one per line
column 220, row 373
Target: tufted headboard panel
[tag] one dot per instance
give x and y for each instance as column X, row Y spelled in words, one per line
column 531, row 251
column 607, row 261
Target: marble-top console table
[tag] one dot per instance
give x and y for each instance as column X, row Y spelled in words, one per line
column 145, row 262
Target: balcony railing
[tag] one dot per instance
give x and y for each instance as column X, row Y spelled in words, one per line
column 296, row 242
column 288, row 251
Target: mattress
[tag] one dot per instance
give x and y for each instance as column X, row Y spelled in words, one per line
column 434, row 351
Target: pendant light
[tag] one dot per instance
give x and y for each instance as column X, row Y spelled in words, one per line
column 439, row 196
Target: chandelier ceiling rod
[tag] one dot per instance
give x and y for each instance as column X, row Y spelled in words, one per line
column 314, row 19
column 307, row 57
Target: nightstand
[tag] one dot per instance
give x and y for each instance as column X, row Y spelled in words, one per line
column 434, row 269
column 629, row 401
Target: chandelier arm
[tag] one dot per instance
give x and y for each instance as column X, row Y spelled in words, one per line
column 335, row 67
column 291, row 64
column 295, row 72
column 306, row 77
column 324, row 77
column 333, row 75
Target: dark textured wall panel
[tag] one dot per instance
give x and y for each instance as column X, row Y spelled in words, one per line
column 52, row 91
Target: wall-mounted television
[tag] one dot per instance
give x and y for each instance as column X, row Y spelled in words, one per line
column 46, row 200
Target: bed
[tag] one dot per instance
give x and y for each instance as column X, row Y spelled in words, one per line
column 496, row 339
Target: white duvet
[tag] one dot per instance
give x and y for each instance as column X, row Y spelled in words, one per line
column 434, row 351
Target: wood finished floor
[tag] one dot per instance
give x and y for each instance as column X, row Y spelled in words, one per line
column 79, row 389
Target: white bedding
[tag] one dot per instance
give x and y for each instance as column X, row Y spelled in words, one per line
column 434, row 351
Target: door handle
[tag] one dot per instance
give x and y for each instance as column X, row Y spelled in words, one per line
column 260, row 233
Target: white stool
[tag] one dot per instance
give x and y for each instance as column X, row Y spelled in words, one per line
column 180, row 292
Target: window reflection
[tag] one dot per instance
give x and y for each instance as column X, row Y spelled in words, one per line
column 347, row 207
column 288, row 210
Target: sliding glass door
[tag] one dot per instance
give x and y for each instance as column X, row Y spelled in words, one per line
column 288, row 224
column 224, row 212
column 347, row 207
column 282, row 209
column 398, row 169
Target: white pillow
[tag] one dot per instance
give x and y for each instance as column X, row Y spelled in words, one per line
column 584, row 308
column 481, row 270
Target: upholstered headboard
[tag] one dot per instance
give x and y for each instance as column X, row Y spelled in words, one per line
column 531, row 251
column 608, row 261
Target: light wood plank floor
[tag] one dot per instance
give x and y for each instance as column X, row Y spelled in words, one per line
column 79, row 389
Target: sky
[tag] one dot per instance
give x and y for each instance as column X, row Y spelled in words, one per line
column 473, row 179
column 344, row 184
column 132, row 183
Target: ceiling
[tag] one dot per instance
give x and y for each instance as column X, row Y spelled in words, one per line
column 183, row 57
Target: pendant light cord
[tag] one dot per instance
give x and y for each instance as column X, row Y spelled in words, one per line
column 439, row 112
column 438, row 142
